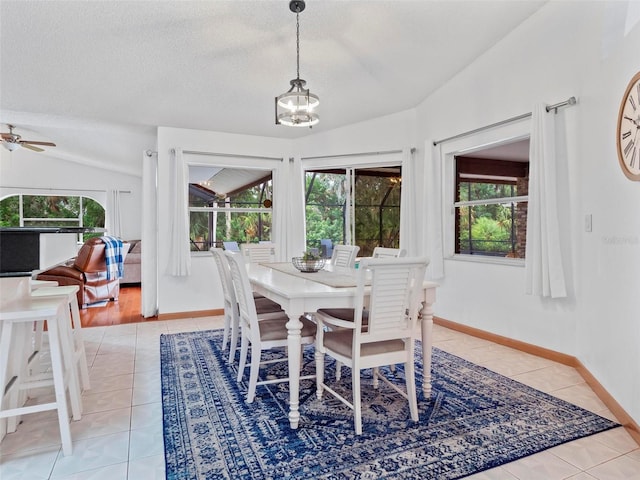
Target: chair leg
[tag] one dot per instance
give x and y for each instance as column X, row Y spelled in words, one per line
column 235, row 327
column 338, row 370
column 244, row 346
column 227, row 326
column 357, row 404
column 319, row 372
column 376, row 378
column 410, row 377
column 253, row 374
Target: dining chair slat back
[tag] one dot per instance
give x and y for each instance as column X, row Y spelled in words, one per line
column 384, row 252
column 261, row 334
column 386, row 335
column 344, row 255
column 259, row 252
column 231, row 315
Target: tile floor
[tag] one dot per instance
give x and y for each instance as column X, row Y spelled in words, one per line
column 120, row 434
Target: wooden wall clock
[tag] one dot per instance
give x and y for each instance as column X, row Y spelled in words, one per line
column 628, row 131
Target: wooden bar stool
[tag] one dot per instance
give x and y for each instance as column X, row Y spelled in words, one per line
column 17, row 321
column 70, row 293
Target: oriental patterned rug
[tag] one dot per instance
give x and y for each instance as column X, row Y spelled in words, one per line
column 475, row 420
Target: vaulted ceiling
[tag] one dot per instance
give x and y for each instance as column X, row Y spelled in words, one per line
column 98, row 77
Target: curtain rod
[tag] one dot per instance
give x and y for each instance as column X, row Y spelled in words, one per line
column 554, row 107
column 387, row 152
column 228, row 155
column 63, row 189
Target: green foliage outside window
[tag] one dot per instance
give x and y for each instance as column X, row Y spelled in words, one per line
column 486, row 229
column 376, row 210
column 242, row 227
column 52, row 211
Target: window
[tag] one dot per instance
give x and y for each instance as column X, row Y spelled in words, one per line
column 491, row 202
column 52, row 211
column 242, row 215
column 359, row 206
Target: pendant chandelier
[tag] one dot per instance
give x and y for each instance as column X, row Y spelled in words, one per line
column 295, row 107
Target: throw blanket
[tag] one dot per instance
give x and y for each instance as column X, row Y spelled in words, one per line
column 113, row 257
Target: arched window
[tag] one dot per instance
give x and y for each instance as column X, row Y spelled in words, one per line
column 52, row 211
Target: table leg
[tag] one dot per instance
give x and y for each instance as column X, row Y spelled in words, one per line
column 294, row 327
column 427, row 344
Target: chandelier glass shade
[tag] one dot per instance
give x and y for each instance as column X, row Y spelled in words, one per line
column 295, row 107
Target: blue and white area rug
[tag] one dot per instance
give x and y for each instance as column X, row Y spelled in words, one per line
column 475, row 420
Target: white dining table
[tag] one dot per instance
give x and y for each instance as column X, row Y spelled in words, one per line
column 299, row 294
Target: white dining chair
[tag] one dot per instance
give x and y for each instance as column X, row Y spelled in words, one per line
column 384, row 252
column 263, row 334
column 265, row 308
column 344, row 255
column 231, row 245
column 259, row 252
column 387, row 336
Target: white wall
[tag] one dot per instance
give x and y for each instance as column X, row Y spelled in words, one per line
column 565, row 49
column 201, row 290
column 42, row 174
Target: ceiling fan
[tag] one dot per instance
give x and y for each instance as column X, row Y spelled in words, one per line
column 12, row 141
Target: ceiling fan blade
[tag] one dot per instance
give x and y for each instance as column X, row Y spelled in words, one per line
column 31, row 147
column 47, row 144
column 6, row 136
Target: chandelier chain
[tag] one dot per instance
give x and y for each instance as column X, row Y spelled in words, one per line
column 298, row 42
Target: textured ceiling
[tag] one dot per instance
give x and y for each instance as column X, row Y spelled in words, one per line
column 84, row 73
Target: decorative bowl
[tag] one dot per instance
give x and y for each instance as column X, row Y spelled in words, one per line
column 308, row 266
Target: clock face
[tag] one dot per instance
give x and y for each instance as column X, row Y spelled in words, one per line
column 628, row 141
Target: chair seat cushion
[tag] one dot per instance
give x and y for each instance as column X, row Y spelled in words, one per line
column 345, row 314
column 275, row 328
column 264, row 305
column 341, row 342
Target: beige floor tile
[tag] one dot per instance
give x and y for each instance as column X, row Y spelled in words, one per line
column 146, row 442
column 541, row 466
column 106, row 384
column 618, row 439
column 621, row 468
column 104, row 401
column 147, row 468
column 585, row 453
column 110, row 472
column 31, row 464
column 146, row 415
column 498, row 473
column 102, row 423
column 549, row 379
column 93, row 453
column 582, row 396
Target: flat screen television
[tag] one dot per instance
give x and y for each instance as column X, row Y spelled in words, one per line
column 19, row 252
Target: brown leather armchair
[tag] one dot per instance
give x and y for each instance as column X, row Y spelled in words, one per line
column 89, row 271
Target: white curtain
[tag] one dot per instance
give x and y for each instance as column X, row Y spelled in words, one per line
column 544, row 274
column 180, row 256
column 410, row 205
column 114, row 216
column 280, row 210
column 433, row 224
column 149, row 278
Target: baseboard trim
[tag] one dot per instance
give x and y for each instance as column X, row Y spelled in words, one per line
column 192, row 314
column 623, row 417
